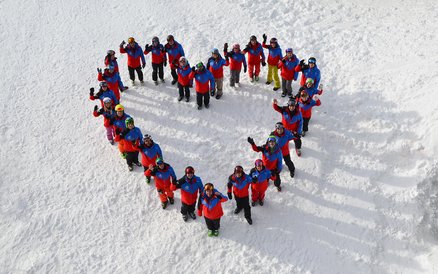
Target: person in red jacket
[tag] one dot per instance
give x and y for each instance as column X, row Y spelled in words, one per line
column 150, row 152
column 136, row 59
column 108, row 113
column 306, row 104
column 183, row 70
column 215, row 65
column 112, row 78
column 204, row 84
column 174, row 52
column 288, row 74
column 111, row 60
column 159, row 60
column 275, row 55
column 260, row 179
column 237, row 58
column 211, row 207
column 255, row 57
column 238, row 184
column 164, row 176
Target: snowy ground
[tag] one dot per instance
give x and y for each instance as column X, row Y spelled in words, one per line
column 366, row 188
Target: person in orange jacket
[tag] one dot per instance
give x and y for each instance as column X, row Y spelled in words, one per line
column 211, row 207
column 164, row 176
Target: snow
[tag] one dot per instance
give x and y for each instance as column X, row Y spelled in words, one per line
column 364, row 198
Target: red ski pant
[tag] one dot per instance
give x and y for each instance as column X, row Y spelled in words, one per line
column 258, row 191
column 253, row 70
column 121, row 146
column 164, row 193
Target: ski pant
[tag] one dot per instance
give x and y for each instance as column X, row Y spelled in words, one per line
column 157, row 69
column 297, row 143
column 306, row 124
column 213, row 224
column 110, row 133
column 243, row 203
column 289, row 163
column 286, row 85
column 132, row 73
column 146, row 169
column 183, row 91
column 164, row 193
column 185, row 208
column 219, row 84
column 276, row 178
column 258, row 191
column 273, row 74
column 174, row 74
column 131, row 157
column 234, row 77
column 121, row 146
column 205, row 96
column 253, row 70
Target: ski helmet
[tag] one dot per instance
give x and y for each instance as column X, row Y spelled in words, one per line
column 209, row 186
column 147, row 137
column 129, row 121
column 258, row 162
column 119, row 107
column 273, row 40
column 155, row 39
column 236, row 46
column 289, row 50
column 110, row 52
column 200, row 66
column 312, row 60
column 159, row 161
column 103, row 84
column 106, row 100
column 304, row 93
column 292, row 102
column 309, row 81
column 279, row 125
column 215, row 51
column 238, row 169
column 182, row 59
column 272, row 138
column 190, row 170
column 253, row 38
column 170, row 38
column 131, row 40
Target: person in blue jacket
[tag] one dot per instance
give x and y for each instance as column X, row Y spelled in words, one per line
column 103, row 92
column 204, row 81
column 237, row 58
column 174, row 52
column 135, row 55
column 132, row 137
column 309, row 70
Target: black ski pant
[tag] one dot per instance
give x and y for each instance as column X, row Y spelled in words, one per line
column 183, row 90
column 132, row 157
column 297, row 143
column 132, row 73
column 174, row 74
column 205, row 96
column 277, row 179
column 185, row 208
column 157, row 69
column 213, row 224
column 243, row 203
column 289, row 163
column 306, row 124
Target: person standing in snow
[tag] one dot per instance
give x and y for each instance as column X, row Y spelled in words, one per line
column 256, row 56
column 310, row 89
column 292, row 120
column 260, row 178
column 288, row 73
column 119, row 124
column 305, row 104
column 283, row 137
column 131, row 137
column 274, row 58
column 174, row 52
column 204, row 84
column 211, row 207
column 238, row 184
column 271, row 157
column 159, row 60
column 150, row 152
column 190, row 186
column 237, row 58
column 104, row 92
column 111, row 60
column 309, row 70
column 183, row 70
column 112, row 78
column 164, row 176
column 108, row 113
column 136, row 59
column 215, row 65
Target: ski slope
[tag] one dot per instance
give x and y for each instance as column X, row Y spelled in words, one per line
column 365, row 192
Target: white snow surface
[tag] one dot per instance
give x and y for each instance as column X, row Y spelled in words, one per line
column 364, row 198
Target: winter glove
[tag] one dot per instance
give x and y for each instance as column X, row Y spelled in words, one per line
column 244, row 69
column 199, row 212
column 95, row 108
column 283, row 60
column 91, row 91
column 146, row 47
column 263, row 63
column 160, row 191
column 226, row 47
column 254, row 179
column 230, row 196
column 264, row 38
column 194, row 69
column 122, row 44
column 99, row 70
column 315, row 98
column 275, row 102
column 142, row 66
column 301, row 63
column 246, row 49
column 251, row 140
column 165, row 63
column 212, row 92
column 305, row 67
column 117, row 131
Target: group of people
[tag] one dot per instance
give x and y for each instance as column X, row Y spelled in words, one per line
column 121, row 129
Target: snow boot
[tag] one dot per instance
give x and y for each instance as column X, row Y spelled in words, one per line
column 298, row 151
column 210, row 233
column 261, row 202
column 249, row 220
column 237, row 210
column 123, row 89
column 164, row 205
column 130, row 168
column 216, row 233
column 142, row 82
column 148, row 180
column 137, row 164
column 256, row 78
column 162, row 81
column 303, row 133
column 279, row 188
column 218, row 96
column 123, row 155
column 207, row 106
column 237, row 85
column 192, row 215
column 283, row 94
column 187, row 99
column 180, row 98
column 253, row 203
column 199, row 107
column 174, row 82
column 275, row 89
column 171, row 200
column 268, row 82
column 156, row 83
column 132, row 83
column 251, row 80
column 292, row 173
column 111, row 142
column 185, row 217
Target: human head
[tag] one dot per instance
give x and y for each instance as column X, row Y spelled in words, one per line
column 107, row 102
column 170, row 39
column 238, row 171
column 103, row 85
column 209, row 188
column 129, row 122
column 258, row 164
column 273, row 42
column 189, row 171
column 147, row 139
column 253, row 39
column 279, row 127
column 236, row 47
column 155, row 40
column 215, row 53
column 312, row 62
column 272, row 141
column 289, row 52
column 160, row 163
column 291, row 104
column 200, row 66
column 131, row 41
column 183, row 60
column 111, row 53
column 119, row 110
column 309, row 82
column 304, row 95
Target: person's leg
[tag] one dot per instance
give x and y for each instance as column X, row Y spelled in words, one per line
column 174, row 75
column 139, row 73
column 130, row 158
column 219, row 87
column 297, row 143
column 237, row 76
column 184, row 208
column 275, row 76
column 250, row 71
column 187, row 92
column 199, row 99
column 284, row 86
column 131, row 73
column 270, row 69
column 154, row 72
column 289, row 164
column 246, row 207
column 207, row 99
column 257, row 69
column 232, row 78
column 161, row 71
column 306, row 124
column 110, row 133
column 181, row 92
column 210, row 224
column 289, row 87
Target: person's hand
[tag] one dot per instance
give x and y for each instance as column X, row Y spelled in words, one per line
column 165, row 63
column 230, row 196
column 225, row 47
column 250, row 140
column 275, row 101
column 151, row 167
column 91, row 91
column 212, row 92
column 146, row 47
column 99, row 70
column 315, row 98
column 122, row 44
column 321, row 86
column 244, row 69
column 142, row 66
column 263, row 63
column 96, row 108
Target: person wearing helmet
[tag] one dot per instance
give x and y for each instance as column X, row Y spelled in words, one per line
column 131, row 137
column 204, row 81
column 292, row 120
column 118, row 123
column 284, row 136
column 271, row 157
column 108, row 113
column 309, row 70
column 309, row 88
column 159, row 60
column 136, row 59
column 238, row 184
column 274, row 57
column 260, row 179
column 104, row 92
column 190, row 185
column 305, row 104
column 112, row 78
column 211, row 206
column 215, row 65
column 150, row 152
column 174, row 52
column 237, row 58
column 183, row 70
column 288, row 73
column 255, row 57
column 164, row 176
column 111, row 60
